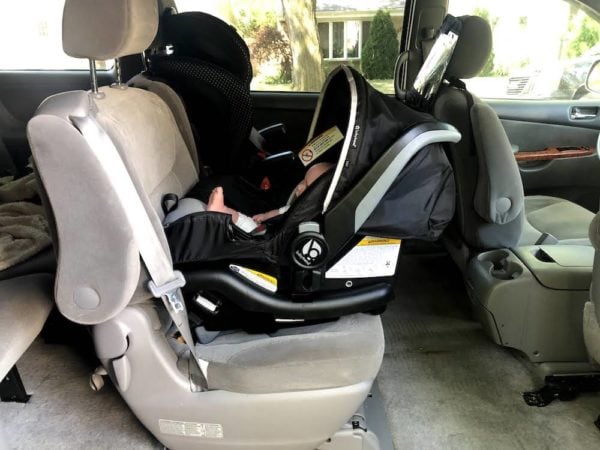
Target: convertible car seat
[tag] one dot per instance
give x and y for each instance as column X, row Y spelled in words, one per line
column 207, row 63
column 591, row 312
column 291, row 389
column 492, row 210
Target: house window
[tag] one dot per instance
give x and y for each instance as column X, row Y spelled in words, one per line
column 341, row 40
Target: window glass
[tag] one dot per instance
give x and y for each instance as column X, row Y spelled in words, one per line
column 324, row 39
column 542, row 49
column 352, row 38
column 324, row 33
column 338, row 40
column 31, row 31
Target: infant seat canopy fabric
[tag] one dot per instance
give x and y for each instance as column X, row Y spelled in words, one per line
column 418, row 204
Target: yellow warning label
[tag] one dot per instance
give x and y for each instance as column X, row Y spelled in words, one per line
column 371, row 240
column 264, row 276
column 371, row 257
column 263, row 280
column 320, row 145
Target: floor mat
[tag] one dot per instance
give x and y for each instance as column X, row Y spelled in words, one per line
column 446, row 385
column 64, row 412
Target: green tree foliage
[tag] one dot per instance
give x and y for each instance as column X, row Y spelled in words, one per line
column 248, row 21
column 586, row 35
column 380, row 50
column 490, row 69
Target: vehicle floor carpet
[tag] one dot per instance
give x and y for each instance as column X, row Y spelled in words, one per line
column 445, row 384
column 64, row 412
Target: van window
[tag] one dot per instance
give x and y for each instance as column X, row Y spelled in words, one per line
column 34, row 27
column 542, row 49
column 295, row 43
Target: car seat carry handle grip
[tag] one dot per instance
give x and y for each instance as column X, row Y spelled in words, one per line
column 323, row 306
column 347, row 217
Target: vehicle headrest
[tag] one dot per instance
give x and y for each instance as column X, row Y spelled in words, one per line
column 105, row 29
column 595, row 232
column 472, row 49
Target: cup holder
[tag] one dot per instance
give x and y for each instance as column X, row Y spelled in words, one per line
column 499, row 265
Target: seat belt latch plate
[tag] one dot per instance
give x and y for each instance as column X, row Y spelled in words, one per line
column 169, row 290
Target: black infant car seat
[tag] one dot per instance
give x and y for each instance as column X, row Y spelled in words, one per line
column 322, row 259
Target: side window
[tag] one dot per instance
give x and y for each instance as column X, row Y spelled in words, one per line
column 542, row 49
column 295, row 43
column 31, row 31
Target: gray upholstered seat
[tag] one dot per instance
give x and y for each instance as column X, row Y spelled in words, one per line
column 492, row 210
column 565, row 220
column 25, row 303
column 591, row 312
column 289, row 390
column 330, row 355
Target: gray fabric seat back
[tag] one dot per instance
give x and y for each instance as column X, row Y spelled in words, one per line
column 490, row 198
column 591, row 313
column 99, row 269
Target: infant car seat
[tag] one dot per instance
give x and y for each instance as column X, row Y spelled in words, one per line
column 391, row 180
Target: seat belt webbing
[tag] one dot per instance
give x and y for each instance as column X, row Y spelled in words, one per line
column 165, row 283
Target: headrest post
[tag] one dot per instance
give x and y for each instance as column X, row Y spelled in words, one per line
column 94, row 79
column 145, row 63
column 119, row 83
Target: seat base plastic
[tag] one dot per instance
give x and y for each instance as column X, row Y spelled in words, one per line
column 134, row 350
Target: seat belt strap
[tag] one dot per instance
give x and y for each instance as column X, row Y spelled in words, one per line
column 165, row 283
column 461, row 86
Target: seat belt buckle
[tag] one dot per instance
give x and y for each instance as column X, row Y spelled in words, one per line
column 170, row 290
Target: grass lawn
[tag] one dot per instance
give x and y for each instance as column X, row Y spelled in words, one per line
column 385, row 86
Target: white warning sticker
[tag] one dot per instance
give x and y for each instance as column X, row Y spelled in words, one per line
column 261, row 279
column 320, row 145
column 191, row 429
column 371, row 257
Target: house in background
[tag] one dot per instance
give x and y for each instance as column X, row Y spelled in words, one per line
column 344, row 25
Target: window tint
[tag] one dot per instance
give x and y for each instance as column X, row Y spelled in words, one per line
column 543, row 49
column 31, row 32
column 339, row 34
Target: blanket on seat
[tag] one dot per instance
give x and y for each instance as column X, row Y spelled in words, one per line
column 23, row 225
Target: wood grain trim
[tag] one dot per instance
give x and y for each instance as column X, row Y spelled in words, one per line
column 551, row 153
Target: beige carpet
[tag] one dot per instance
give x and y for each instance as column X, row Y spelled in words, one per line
column 445, row 385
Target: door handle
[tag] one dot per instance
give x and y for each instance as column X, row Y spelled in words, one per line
column 583, row 112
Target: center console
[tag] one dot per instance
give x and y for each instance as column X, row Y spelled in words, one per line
column 531, row 298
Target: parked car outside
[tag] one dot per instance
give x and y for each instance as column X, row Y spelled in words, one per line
column 563, row 80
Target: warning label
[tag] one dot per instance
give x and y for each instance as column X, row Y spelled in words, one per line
column 320, row 145
column 261, row 279
column 371, row 257
column 191, row 429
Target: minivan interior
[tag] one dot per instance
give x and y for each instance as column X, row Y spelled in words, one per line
column 300, row 225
